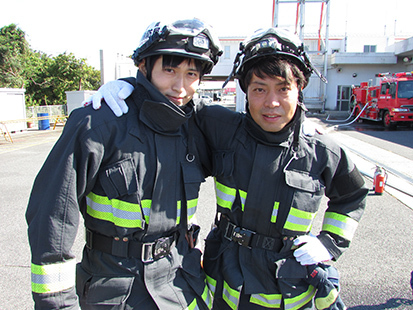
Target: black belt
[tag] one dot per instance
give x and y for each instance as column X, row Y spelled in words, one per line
column 248, row 238
column 125, row 247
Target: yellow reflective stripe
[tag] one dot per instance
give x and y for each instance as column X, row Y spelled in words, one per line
column 299, row 220
column 243, row 196
column 191, row 208
column 53, row 277
column 230, row 296
column 225, row 195
column 325, row 302
column 178, row 212
column 146, row 209
column 300, row 300
column 340, row 224
column 205, row 296
column 272, row 301
column 212, row 284
column 121, row 213
column 275, row 212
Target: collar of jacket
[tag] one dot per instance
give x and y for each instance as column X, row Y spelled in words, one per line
column 281, row 138
column 159, row 113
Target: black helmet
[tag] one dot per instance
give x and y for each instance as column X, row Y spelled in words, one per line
column 272, row 41
column 188, row 38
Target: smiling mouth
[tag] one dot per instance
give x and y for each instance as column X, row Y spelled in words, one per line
column 271, row 116
column 176, row 99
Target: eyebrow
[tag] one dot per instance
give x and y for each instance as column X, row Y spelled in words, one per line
column 262, row 83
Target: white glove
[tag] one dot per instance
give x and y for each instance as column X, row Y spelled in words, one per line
column 310, row 250
column 114, row 93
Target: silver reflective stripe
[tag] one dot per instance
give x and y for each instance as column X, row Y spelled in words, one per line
column 340, row 224
column 243, row 196
column 272, row 301
column 230, row 296
column 225, row 195
column 275, row 212
column 121, row 213
column 299, row 220
column 297, row 302
column 146, row 209
column 211, row 284
column 191, row 208
column 53, row 278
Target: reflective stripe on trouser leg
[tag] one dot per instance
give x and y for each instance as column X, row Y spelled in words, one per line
column 298, row 301
column 272, row 301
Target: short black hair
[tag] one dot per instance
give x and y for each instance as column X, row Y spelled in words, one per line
column 272, row 65
column 172, row 61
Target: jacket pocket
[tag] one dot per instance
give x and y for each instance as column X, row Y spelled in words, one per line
column 96, row 290
column 307, row 190
column 119, row 179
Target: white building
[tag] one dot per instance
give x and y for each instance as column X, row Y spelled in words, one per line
column 350, row 61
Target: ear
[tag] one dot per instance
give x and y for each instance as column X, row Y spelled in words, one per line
column 142, row 67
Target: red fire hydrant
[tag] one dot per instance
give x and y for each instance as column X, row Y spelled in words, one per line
column 379, row 180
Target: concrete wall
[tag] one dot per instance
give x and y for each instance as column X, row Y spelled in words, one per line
column 75, row 99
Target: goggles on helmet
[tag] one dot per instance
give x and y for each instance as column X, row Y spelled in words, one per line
column 271, row 41
column 187, row 38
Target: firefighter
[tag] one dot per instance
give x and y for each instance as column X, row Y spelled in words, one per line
column 271, row 171
column 135, row 180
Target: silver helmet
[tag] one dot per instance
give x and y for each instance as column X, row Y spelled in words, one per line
column 190, row 38
column 271, row 41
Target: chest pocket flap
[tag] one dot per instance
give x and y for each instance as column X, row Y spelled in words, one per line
column 119, row 179
column 302, row 180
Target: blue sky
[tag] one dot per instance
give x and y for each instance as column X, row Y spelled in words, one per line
column 85, row 27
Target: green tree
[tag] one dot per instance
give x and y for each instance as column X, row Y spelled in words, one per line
column 45, row 78
column 56, row 75
column 13, row 52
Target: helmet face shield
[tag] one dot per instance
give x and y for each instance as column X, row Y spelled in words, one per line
column 187, row 38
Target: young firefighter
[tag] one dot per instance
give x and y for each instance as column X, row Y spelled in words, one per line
column 135, row 180
column 271, row 174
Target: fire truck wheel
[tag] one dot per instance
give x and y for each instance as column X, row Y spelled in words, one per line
column 387, row 120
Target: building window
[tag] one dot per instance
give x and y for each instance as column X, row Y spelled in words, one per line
column 343, row 97
column 369, row 48
column 227, row 52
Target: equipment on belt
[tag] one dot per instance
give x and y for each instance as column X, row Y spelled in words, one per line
column 125, row 247
column 248, row 238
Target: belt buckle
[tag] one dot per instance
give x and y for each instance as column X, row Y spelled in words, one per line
column 147, row 252
column 152, row 251
column 162, row 247
column 229, row 231
column 243, row 236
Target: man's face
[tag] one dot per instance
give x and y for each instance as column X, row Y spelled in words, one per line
column 272, row 102
column 179, row 83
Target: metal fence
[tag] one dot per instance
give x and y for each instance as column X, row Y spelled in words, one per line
column 52, row 110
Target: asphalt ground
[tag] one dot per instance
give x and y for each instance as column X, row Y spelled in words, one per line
column 375, row 271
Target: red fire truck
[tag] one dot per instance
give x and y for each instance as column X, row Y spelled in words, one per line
column 390, row 102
